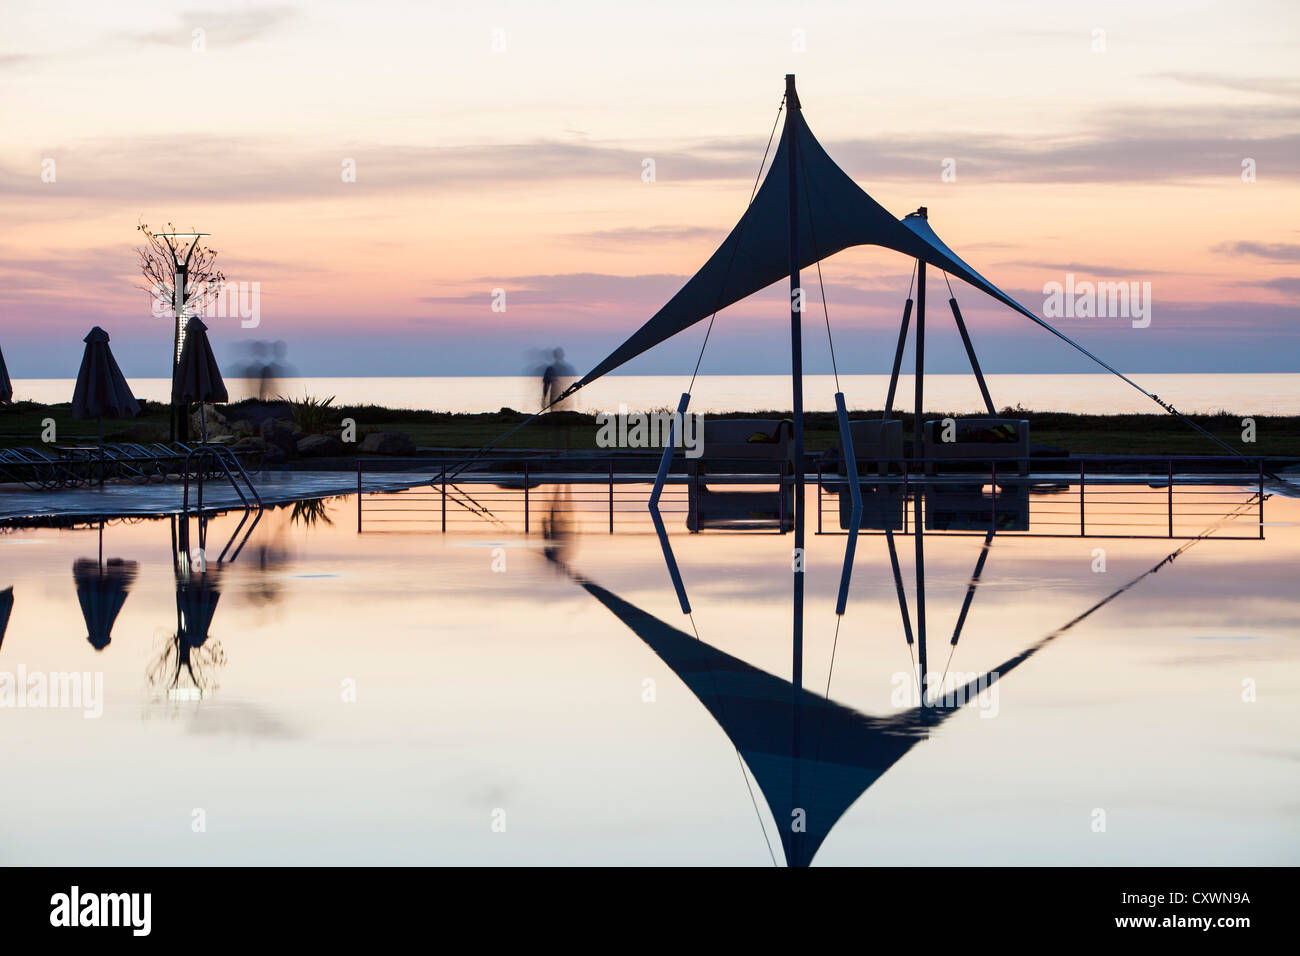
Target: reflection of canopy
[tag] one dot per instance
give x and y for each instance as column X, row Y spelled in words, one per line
column 805, row 751
column 102, row 590
column 835, row 213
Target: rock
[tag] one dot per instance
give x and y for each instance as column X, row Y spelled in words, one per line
column 388, row 443
column 259, row 449
column 243, row 428
column 278, row 434
column 256, row 413
column 321, row 446
column 216, row 422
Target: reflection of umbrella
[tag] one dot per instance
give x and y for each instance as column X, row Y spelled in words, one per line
column 6, row 608
column 6, row 387
column 102, row 588
column 196, row 603
column 197, row 378
column 197, row 594
column 101, row 390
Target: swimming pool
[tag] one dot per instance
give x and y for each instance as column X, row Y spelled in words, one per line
column 485, row 696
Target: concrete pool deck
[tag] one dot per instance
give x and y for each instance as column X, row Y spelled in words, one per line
column 126, row 499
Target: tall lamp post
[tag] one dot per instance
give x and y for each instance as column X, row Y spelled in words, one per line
column 182, row 246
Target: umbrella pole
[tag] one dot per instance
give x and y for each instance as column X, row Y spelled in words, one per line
column 99, row 429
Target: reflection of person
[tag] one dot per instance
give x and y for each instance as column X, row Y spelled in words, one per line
column 554, row 378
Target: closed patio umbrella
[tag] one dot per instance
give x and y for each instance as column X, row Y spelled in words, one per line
column 197, row 379
column 6, row 387
column 6, row 608
column 101, row 390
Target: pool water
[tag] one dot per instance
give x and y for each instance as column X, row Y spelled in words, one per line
column 489, row 697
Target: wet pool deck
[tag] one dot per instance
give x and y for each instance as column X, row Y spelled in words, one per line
column 125, row 499
column 128, row 499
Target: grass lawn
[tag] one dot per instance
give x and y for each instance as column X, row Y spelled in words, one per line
column 1158, row 434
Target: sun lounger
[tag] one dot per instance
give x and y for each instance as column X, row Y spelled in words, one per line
column 735, row 443
column 39, row 469
column 978, row 439
column 739, row 446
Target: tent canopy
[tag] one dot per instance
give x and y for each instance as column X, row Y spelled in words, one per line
column 834, row 213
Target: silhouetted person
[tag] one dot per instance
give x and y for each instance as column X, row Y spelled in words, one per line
column 265, row 366
column 554, row 378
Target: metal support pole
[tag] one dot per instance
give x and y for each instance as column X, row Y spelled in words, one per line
column 358, row 496
column 920, row 358
column 796, row 372
column 898, row 360
column 444, row 498
column 665, row 462
column 855, row 493
column 611, row 497
column 974, row 362
column 525, row 497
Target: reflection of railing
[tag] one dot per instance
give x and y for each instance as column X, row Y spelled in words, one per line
column 507, row 492
column 1092, row 497
column 1095, row 497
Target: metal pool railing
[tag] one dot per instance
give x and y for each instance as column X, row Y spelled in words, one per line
column 1093, row 497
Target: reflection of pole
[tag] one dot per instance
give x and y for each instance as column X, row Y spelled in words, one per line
column 796, row 376
column 918, row 533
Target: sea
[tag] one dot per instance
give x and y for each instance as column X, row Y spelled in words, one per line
column 1236, row 393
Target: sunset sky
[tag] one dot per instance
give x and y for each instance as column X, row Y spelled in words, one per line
column 481, row 168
